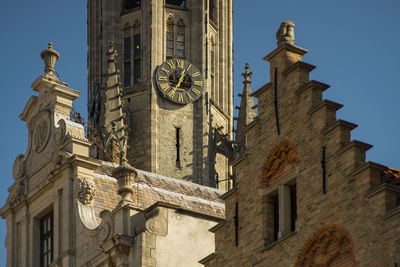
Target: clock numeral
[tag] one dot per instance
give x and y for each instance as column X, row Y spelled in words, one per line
column 164, row 86
column 196, row 74
column 171, row 93
column 165, row 70
column 180, row 97
column 198, row 83
column 162, row 78
column 197, row 92
column 188, row 67
column 180, row 63
column 189, row 96
column 171, row 64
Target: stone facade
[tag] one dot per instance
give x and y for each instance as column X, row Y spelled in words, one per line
column 304, row 194
column 67, row 208
column 152, row 119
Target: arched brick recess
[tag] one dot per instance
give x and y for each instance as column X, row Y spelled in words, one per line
column 282, row 154
column 330, row 246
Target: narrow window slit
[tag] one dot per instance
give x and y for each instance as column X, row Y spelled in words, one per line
column 178, row 147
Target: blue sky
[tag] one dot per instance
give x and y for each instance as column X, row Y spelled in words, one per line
column 354, row 44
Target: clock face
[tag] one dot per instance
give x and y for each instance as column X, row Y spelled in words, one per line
column 179, row 80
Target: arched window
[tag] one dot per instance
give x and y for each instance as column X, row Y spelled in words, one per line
column 170, row 37
column 180, row 40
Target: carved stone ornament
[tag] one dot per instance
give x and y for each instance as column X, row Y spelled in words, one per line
column 283, row 153
column 86, row 191
column 157, row 222
column 18, row 167
column 106, row 227
column 41, row 131
column 285, row 33
column 331, row 245
column 60, row 132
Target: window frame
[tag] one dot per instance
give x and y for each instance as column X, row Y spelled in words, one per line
column 46, row 251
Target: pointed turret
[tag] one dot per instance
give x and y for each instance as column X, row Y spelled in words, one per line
column 114, row 131
column 246, row 110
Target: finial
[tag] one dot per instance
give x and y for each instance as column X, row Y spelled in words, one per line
column 49, row 56
column 285, row 34
column 112, row 53
column 246, row 74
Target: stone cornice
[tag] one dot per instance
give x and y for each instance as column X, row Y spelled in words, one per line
column 288, row 47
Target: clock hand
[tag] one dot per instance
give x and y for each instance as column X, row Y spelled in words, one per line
column 180, row 79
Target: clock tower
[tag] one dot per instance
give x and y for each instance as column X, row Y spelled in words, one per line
column 175, row 60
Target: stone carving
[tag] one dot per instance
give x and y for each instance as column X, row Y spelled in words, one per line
column 285, row 34
column 60, row 132
column 157, row 220
column 283, row 153
column 41, row 132
column 106, row 227
column 49, row 56
column 86, row 191
column 331, row 245
column 18, row 167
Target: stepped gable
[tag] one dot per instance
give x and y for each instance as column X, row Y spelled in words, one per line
column 150, row 188
column 302, row 171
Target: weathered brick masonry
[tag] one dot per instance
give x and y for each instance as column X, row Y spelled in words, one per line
column 356, row 222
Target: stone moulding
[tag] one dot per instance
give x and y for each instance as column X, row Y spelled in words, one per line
column 102, row 230
column 329, row 246
column 283, row 153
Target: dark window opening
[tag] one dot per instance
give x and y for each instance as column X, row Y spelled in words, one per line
column 293, row 208
column 46, row 240
column 136, row 42
column 236, row 221
column 137, row 71
column 213, row 10
column 170, row 43
column 127, row 48
column 176, row 2
column 178, row 146
column 127, row 73
column 275, row 204
column 180, row 45
column 131, row 4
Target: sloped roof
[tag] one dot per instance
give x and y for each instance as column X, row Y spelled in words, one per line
column 150, row 188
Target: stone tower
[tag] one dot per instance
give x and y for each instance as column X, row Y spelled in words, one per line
column 172, row 115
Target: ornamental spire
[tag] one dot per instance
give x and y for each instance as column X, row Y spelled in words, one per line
column 49, row 56
column 247, row 112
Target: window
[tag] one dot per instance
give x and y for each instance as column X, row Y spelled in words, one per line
column 175, row 39
column 213, row 10
column 137, row 71
column 137, row 67
column 178, row 147
column 127, row 73
column 275, row 205
column 131, row 4
column 46, row 240
column 212, row 55
column 282, row 212
column 293, row 208
column 176, row 2
column 170, row 37
column 127, row 48
column 180, row 40
column 136, row 49
column 127, row 55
